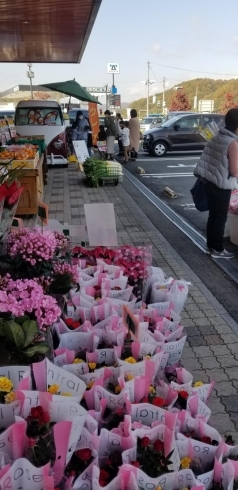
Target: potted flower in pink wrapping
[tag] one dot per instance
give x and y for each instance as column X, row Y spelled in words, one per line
column 26, row 315
column 9, row 196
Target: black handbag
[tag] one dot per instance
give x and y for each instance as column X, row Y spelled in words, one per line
column 199, row 194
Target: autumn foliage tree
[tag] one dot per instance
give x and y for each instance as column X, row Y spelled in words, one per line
column 180, row 102
column 229, row 103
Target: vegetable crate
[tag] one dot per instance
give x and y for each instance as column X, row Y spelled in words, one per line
column 112, row 173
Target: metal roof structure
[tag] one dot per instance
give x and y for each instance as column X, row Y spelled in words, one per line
column 46, row 31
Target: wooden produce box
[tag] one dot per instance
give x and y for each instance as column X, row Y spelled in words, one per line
column 30, row 163
column 33, row 183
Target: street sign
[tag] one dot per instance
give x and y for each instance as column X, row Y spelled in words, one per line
column 113, row 68
column 115, row 101
column 206, row 106
column 98, row 90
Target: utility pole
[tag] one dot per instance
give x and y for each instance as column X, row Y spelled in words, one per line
column 106, row 97
column 30, row 75
column 163, row 94
column 148, row 88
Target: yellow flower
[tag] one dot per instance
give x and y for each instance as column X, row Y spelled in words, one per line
column 53, row 389
column 185, row 488
column 92, row 365
column 5, row 384
column 77, row 360
column 90, row 385
column 158, row 488
column 197, row 384
column 185, row 463
column 147, row 357
column 152, row 390
column 129, row 377
column 10, row 397
column 131, row 360
column 65, row 394
column 117, row 389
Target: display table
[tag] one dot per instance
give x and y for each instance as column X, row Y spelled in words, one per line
column 33, row 182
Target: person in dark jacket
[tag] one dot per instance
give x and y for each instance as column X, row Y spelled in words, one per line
column 111, row 133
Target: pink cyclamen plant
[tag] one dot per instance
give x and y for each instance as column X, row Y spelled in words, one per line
column 25, row 296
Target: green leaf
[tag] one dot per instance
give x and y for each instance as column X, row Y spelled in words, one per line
column 2, row 330
column 30, row 330
column 36, row 349
column 21, row 319
column 15, row 333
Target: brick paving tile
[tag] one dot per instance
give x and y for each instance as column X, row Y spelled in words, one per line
column 209, row 363
column 217, row 374
column 225, row 388
column 213, row 339
column 211, row 350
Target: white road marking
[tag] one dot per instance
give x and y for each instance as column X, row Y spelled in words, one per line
column 162, row 176
column 180, row 165
column 151, row 160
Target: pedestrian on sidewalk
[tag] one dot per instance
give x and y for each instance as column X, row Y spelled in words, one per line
column 111, row 133
column 125, row 139
column 218, row 165
column 134, row 127
column 117, row 122
column 80, row 128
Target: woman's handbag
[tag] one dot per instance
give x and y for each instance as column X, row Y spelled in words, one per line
column 199, row 194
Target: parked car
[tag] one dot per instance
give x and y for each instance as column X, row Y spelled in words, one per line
column 172, row 114
column 146, row 122
column 157, row 122
column 182, row 133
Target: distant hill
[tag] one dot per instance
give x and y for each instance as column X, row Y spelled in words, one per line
column 208, row 89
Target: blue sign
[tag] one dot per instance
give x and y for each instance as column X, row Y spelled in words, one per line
column 114, row 90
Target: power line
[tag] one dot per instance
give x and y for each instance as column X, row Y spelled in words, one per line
column 195, row 71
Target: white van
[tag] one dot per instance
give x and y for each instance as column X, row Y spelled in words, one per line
column 40, row 117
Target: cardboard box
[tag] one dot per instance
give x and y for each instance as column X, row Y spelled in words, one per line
column 27, row 164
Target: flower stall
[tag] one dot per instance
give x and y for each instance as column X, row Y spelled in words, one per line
column 92, row 391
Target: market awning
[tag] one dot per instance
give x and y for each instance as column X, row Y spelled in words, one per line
column 45, row 31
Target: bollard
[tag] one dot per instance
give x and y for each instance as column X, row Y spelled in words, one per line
column 140, row 170
column 169, row 193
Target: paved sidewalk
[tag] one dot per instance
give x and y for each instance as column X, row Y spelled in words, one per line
column 211, row 351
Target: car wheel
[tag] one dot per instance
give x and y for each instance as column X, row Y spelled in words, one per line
column 159, row 149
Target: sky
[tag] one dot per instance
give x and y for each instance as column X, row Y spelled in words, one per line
column 182, row 39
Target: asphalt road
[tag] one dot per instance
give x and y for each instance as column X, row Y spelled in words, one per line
column 175, row 171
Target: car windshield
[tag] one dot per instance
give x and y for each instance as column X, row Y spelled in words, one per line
column 42, row 116
column 170, row 122
column 147, row 120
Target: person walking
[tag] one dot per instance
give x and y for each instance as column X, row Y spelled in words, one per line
column 125, row 140
column 218, row 165
column 134, row 127
column 118, row 126
column 111, row 133
column 80, row 128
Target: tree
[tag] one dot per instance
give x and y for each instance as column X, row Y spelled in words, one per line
column 179, row 101
column 229, row 102
column 41, row 95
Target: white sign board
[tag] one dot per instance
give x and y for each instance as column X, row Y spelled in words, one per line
column 81, row 150
column 206, row 105
column 113, row 68
column 101, row 224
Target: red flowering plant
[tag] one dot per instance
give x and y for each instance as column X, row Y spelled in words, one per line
column 72, row 324
column 106, row 254
column 151, row 458
column 232, row 452
column 152, row 398
column 193, row 434
column 181, row 402
column 79, row 462
column 40, row 445
column 110, row 468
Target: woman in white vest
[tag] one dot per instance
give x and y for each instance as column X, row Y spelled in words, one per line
column 218, row 165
